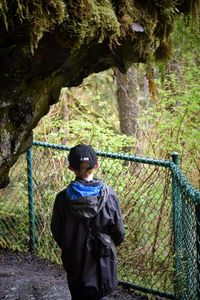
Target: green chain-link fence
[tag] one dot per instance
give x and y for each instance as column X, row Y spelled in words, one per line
column 161, row 212
column 186, row 235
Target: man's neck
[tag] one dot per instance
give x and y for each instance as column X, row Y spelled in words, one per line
column 88, row 178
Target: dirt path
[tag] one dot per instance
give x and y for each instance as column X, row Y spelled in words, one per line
column 26, row 277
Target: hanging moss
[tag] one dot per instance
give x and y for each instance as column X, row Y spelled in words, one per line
column 42, row 15
column 3, row 11
column 87, row 20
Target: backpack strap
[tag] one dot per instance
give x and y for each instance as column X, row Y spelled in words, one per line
column 101, row 243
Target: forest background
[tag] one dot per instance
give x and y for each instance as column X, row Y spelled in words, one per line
column 153, row 110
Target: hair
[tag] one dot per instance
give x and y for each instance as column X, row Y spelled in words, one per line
column 85, row 171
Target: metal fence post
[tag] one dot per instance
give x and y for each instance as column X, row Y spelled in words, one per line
column 31, row 201
column 176, row 198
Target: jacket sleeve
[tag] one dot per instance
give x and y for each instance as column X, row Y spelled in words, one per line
column 117, row 228
column 57, row 221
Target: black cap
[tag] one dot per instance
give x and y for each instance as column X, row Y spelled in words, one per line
column 82, row 153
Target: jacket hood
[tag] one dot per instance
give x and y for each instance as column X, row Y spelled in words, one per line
column 85, row 199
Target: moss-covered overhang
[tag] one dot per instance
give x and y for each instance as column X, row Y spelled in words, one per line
column 48, row 44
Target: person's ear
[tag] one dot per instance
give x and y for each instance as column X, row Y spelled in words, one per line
column 97, row 165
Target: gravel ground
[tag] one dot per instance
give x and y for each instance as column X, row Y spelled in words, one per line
column 27, row 277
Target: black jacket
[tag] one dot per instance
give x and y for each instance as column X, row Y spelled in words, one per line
column 81, row 206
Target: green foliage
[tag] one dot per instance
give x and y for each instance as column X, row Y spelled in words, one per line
column 175, row 113
column 185, row 35
column 14, row 223
column 91, row 117
column 173, row 118
column 97, row 135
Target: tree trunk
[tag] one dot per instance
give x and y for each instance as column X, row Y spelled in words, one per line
column 127, row 97
column 64, row 112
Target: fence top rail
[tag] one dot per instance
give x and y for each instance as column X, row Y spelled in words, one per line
column 139, row 159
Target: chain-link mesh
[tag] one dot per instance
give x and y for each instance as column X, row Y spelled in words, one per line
column 187, row 234
column 145, row 257
column 145, row 189
column 14, row 221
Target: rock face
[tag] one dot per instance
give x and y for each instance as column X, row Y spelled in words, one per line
column 45, row 45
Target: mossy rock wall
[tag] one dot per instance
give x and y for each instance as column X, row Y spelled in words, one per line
column 48, row 44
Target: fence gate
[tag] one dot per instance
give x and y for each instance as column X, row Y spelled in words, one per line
column 161, row 210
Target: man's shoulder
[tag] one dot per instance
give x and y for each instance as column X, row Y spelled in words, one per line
column 110, row 190
column 61, row 193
